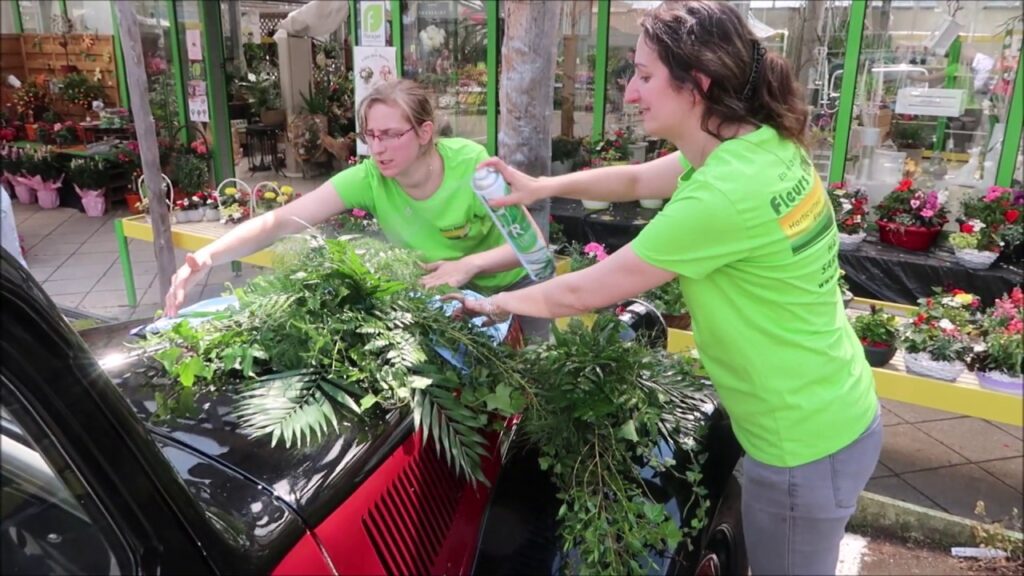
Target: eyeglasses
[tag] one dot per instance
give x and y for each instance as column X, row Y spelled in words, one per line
column 383, row 137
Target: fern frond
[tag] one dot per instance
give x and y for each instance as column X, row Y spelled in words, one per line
column 287, row 406
column 452, row 427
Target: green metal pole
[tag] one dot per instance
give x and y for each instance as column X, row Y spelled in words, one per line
column 122, row 81
column 848, row 91
column 492, row 78
column 64, row 8
column 18, row 27
column 126, row 262
column 216, row 90
column 950, row 82
column 1012, row 135
column 396, row 33
column 353, row 28
column 601, row 68
column 179, row 72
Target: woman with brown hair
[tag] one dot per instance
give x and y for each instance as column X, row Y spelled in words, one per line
column 749, row 234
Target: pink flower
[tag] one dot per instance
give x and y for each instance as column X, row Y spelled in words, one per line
column 914, row 203
column 994, row 193
column 927, row 213
column 1016, row 326
column 359, row 213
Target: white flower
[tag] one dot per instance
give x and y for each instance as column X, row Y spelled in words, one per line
column 946, row 325
column 432, row 37
column 976, row 224
column 252, row 77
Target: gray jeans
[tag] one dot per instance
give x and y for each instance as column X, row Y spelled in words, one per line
column 534, row 329
column 794, row 518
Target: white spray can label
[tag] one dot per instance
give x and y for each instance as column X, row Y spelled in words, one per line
column 515, row 225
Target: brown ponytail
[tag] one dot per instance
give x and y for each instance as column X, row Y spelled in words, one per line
column 748, row 84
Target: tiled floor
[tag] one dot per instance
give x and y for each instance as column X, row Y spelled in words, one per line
column 933, row 459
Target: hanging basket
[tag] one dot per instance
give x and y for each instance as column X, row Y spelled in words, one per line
column 922, row 364
column 850, row 242
column 975, row 259
column 915, row 238
column 1002, row 382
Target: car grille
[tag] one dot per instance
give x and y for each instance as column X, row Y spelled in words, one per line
column 408, row 524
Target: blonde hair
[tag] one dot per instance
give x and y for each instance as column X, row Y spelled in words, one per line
column 412, row 98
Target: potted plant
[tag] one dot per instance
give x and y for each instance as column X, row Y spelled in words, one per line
column 668, row 300
column 80, row 90
column 191, row 174
column 998, row 363
column 973, row 246
column 850, row 208
column 64, row 26
column 89, row 175
column 263, row 90
column 14, row 161
column 910, row 218
column 44, row 174
column 934, row 348
column 878, row 332
column 564, row 151
column 33, row 101
column 996, row 218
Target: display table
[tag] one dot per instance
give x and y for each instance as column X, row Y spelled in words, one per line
column 874, row 270
column 189, row 236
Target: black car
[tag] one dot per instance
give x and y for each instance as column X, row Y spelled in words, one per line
column 92, row 483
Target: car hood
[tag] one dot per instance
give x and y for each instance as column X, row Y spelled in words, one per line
column 313, row 480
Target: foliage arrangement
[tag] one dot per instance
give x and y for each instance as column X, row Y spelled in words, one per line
column 598, row 420
column 583, row 257
column 849, row 207
column 33, row 99
column 666, row 299
column 960, row 307
column 354, row 221
column 43, row 163
column 267, row 199
column 877, row 329
column 339, row 333
column 565, row 149
column 263, row 89
column 613, row 149
column 942, row 340
column 1003, row 329
column 908, row 206
column 90, row 172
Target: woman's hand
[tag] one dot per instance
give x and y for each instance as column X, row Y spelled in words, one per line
column 472, row 307
column 183, row 279
column 452, row 273
column 523, row 189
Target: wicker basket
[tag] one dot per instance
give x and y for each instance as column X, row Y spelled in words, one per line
column 850, row 242
column 241, row 187
column 143, row 192
column 975, row 259
column 1001, row 382
column 921, row 364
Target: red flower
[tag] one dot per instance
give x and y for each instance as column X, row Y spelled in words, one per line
column 957, row 291
column 904, row 185
column 966, row 228
column 920, row 319
column 1011, row 216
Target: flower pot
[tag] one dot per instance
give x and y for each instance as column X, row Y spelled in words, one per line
column 878, row 357
column 93, row 201
column 132, row 200
column 560, row 167
column 211, row 214
column 31, row 132
column 921, row 364
column 595, row 205
column 273, row 117
column 678, row 321
column 25, row 192
column 847, row 298
column 651, row 203
column 66, row 69
column 48, row 193
column 975, row 259
column 915, row 238
column 850, row 242
column 1001, row 382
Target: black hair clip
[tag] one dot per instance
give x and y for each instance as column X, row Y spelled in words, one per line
column 759, row 54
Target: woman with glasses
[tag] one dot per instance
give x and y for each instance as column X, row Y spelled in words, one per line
column 417, row 187
column 749, row 234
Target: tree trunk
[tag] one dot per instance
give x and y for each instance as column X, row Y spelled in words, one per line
column 145, row 133
column 527, row 90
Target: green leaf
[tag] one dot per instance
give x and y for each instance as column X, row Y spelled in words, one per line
column 188, row 370
column 367, row 401
column 169, row 358
column 628, row 431
column 500, row 400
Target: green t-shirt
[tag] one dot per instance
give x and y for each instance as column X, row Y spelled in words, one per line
column 452, row 223
column 753, row 239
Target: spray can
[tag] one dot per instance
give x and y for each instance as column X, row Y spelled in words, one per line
column 515, row 225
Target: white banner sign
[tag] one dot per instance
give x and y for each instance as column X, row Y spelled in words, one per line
column 198, row 111
column 373, row 65
column 372, row 23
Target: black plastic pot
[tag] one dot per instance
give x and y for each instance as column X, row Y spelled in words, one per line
column 878, row 357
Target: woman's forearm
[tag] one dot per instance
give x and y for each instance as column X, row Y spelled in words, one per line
column 557, row 298
column 494, row 260
column 249, row 237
